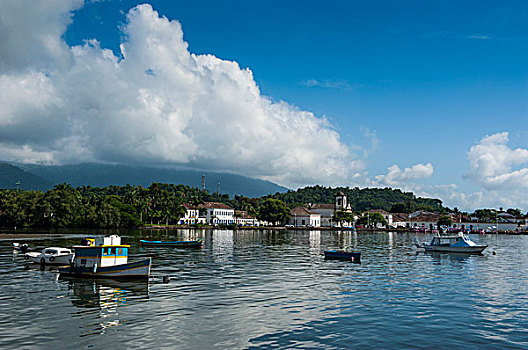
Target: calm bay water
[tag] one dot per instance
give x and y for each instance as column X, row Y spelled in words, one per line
column 273, row 289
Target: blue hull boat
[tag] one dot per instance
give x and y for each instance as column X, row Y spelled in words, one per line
column 135, row 270
column 176, row 244
column 342, row 255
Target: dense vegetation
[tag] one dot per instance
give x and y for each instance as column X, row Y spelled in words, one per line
column 113, row 206
column 132, row 206
column 107, row 207
column 389, row 199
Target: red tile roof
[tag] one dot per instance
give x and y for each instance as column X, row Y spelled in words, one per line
column 322, row 206
column 400, row 217
column 243, row 214
column 214, row 205
column 303, row 211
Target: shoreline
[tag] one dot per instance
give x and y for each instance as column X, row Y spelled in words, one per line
column 6, row 234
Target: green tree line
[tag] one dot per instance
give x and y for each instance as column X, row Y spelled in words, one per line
column 133, row 206
column 392, row 200
column 112, row 206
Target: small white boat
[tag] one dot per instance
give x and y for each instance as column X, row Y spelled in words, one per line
column 460, row 243
column 51, row 256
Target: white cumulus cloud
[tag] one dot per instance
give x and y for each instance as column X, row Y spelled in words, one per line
column 395, row 176
column 496, row 166
column 158, row 104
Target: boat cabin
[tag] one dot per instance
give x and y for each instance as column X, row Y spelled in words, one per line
column 55, row 251
column 452, row 241
column 101, row 252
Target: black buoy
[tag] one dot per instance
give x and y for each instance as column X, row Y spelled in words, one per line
column 494, row 253
column 166, row 279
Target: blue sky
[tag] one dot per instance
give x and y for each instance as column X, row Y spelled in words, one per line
column 436, row 88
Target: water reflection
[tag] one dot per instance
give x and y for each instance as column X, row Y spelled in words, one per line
column 344, row 240
column 222, row 244
column 106, row 297
column 272, row 289
column 449, row 257
column 315, row 243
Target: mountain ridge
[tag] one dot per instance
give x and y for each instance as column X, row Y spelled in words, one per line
column 100, row 175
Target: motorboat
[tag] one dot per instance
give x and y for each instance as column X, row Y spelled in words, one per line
column 338, row 254
column 176, row 244
column 105, row 257
column 460, row 243
column 51, row 256
column 23, row 248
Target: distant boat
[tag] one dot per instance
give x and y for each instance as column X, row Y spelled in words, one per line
column 105, row 257
column 51, row 256
column 177, row 244
column 24, row 247
column 342, row 255
column 460, row 243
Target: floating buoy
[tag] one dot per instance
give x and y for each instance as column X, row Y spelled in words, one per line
column 166, row 279
column 494, row 253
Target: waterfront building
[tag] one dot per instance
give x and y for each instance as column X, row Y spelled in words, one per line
column 242, row 218
column 327, row 211
column 399, row 220
column 218, row 213
column 301, row 216
column 191, row 217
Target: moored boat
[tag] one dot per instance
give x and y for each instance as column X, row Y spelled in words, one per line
column 105, row 257
column 336, row 254
column 460, row 243
column 51, row 256
column 24, row 247
column 177, row 244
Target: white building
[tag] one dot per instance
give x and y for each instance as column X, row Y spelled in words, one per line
column 192, row 216
column 242, row 218
column 218, row 213
column 327, row 211
column 302, row 216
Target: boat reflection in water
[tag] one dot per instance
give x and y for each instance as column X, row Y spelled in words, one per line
column 451, row 257
column 109, row 297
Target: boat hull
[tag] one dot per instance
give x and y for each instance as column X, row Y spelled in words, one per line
column 340, row 255
column 176, row 244
column 135, row 270
column 467, row 250
column 37, row 258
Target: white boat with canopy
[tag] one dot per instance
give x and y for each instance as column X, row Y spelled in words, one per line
column 460, row 243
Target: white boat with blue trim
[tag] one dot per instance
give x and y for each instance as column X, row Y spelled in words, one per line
column 105, row 257
column 460, row 243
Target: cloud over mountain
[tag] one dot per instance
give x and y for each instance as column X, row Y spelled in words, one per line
column 159, row 104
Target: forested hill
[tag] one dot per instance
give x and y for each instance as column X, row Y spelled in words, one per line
column 364, row 199
column 13, row 177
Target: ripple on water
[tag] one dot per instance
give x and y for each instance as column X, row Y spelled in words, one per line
column 274, row 290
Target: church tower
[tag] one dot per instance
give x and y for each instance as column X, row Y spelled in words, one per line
column 341, row 202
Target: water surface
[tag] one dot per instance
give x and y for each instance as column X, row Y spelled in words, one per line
column 273, row 289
